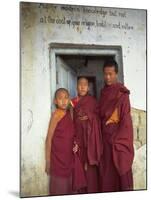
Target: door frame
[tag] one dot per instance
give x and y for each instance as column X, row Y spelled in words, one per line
column 56, row 49
column 68, row 70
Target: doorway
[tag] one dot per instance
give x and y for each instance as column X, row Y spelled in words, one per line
column 68, row 62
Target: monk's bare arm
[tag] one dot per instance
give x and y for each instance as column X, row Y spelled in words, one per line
column 51, row 129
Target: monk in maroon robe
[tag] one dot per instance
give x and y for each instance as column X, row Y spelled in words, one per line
column 88, row 135
column 59, row 146
column 117, row 133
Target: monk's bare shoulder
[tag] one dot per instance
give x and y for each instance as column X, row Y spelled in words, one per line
column 54, row 117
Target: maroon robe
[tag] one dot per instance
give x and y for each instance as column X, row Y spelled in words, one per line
column 118, row 152
column 62, row 157
column 88, row 138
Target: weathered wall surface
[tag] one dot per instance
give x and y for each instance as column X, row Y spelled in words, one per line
column 139, row 164
column 42, row 24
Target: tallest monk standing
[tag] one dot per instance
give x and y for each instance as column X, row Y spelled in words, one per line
column 117, row 132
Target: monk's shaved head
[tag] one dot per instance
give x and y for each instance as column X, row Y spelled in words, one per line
column 62, row 98
column 61, row 90
column 82, row 79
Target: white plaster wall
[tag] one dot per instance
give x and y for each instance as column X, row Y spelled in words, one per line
column 35, row 72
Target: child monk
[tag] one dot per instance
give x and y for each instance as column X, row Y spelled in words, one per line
column 59, row 146
column 88, row 135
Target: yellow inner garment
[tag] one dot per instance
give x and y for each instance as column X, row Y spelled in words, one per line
column 114, row 117
column 59, row 114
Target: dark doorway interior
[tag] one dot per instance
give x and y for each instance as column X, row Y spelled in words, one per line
column 70, row 67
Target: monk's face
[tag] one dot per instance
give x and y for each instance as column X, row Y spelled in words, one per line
column 62, row 100
column 110, row 75
column 82, row 87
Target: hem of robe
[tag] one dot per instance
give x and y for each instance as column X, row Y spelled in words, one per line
column 60, row 185
column 120, row 170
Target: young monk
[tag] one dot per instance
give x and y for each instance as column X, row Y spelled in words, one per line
column 59, row 146
column 117, row 132
column 88, row 135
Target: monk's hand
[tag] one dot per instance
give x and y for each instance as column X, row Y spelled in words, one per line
column 47, row 168
column 85, row 166
column 83, row 118
column 75, row 148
